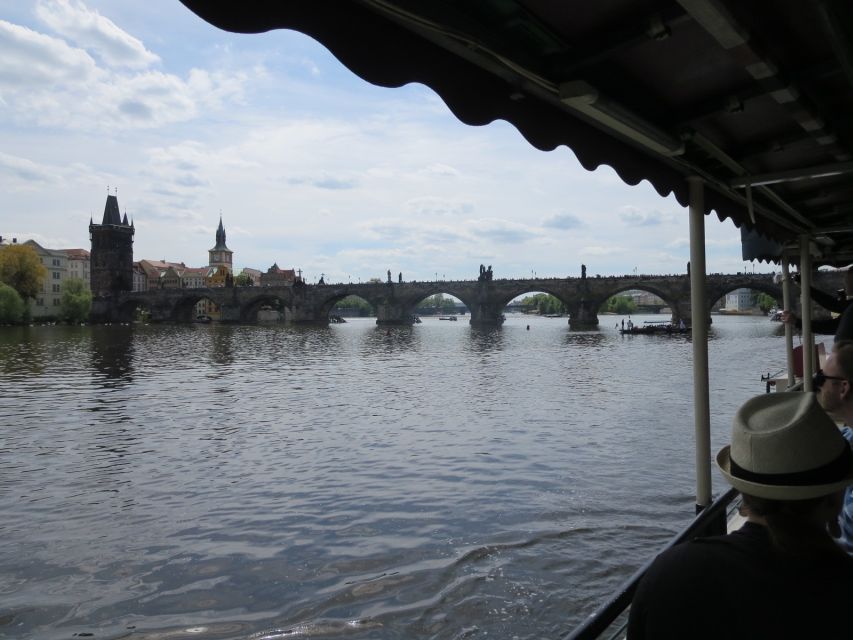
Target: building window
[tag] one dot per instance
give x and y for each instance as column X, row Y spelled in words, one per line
column 56, row 288
column 56, row 275
column 56, row 262
column 56, row 302
column 39, row 302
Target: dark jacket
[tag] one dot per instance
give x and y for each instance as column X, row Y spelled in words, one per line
column 737, row 586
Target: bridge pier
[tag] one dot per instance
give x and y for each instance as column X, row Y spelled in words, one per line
column 486, row 316
column 303, row 307
column 681, row 311
column 230, row 312
column 393, row 315
column 393, row 312
column 583, row 316
column 104, row 310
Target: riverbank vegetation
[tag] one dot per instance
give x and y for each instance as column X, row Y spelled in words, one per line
column 355, row 306
column 439, row 304
column 542, row 303
column 76, row 302
column 620, row 305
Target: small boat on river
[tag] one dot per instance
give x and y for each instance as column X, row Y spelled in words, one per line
column 655, row 328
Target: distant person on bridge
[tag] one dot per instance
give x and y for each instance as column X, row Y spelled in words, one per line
column 781, row 575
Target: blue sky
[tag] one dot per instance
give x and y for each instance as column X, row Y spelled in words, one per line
column 310, row 166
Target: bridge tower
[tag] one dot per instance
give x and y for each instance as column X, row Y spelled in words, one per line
column 220, row 257
column 111, row 269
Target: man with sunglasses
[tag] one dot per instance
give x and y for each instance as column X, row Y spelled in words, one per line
column 835, row 392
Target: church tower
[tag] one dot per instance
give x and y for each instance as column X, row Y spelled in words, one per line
column 111, row 252
column 220, row 255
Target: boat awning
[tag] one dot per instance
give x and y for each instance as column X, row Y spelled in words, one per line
column 753, row 96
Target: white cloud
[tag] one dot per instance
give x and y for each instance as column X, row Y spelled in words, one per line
column 601, row 251
column 44, row 81
column 635, row 217
column 24, row 169
column 502, row 231
column 32, row 60
column 310, row 166
column 405, row 231
column 440, row 170
column 428, row 206
column 563, row 221
column 90, row 30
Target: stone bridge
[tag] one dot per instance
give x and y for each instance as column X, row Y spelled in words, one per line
column 396, row 303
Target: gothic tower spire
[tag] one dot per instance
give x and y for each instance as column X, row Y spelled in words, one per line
column 111, row 252
column 220, row 256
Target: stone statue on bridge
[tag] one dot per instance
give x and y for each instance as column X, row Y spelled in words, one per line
column 583, row 272
column 400, row 277
column 389, row 276
column 485, row 274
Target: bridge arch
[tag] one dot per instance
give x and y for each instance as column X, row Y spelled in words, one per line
column 716, row 291
column 508, row 296
column 185, row 307
column 414, row 303
column 132, row 309
column 255, row 306
column 329, row 305
column 673, row 303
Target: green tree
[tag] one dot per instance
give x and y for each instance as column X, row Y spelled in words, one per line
column 543, row 304
column 243, row 280
column 76, row 302
column 12, row 307
column 436, row 303
column 620, row 304
column 354, row 302
column 765, row 302
column 21, row 269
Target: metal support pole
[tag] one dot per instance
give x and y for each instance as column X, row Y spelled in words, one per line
column 699, row 311
column 789, row 330
column 806, row 306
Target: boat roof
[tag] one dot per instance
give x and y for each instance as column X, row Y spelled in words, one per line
column 754, row 97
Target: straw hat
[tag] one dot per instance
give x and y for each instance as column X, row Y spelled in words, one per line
column 785, row 447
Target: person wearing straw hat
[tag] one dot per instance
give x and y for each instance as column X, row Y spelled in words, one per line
column 781, row 575
column 834, row 390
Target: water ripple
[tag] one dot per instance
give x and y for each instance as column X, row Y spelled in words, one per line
column 435, row 481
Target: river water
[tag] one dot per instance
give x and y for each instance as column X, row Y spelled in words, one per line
column 436, row 481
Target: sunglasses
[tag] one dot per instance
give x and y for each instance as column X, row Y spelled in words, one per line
column 820, row 377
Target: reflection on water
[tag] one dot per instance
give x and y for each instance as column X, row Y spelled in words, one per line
column 112, row 353
column 587, row 339
column 222, row 344
column 435, row 481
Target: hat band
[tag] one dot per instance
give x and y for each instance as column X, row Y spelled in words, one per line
column 833, row 471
